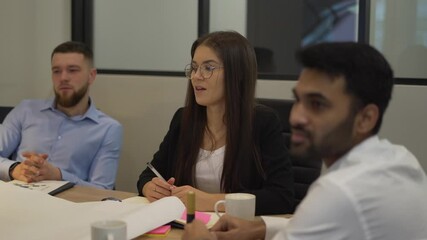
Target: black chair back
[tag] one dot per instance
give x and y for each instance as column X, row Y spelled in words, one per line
column 305, row 172
column 3, row 112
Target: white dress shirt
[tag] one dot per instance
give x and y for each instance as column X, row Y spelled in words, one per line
column 377, row 191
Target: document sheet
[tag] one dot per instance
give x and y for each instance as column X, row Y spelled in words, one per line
column 27, row 214
column 47, row 186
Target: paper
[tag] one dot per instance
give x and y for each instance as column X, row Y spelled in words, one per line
column 40, row 216
column 136, row 200
column 209, row 218
column 47, row 186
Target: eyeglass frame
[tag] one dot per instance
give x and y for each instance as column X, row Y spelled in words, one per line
column 188, row 72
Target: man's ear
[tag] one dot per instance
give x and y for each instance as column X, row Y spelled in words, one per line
column 92, row 75
column 366, row 119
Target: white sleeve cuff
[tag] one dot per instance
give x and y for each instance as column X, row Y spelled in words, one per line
column 274, row 225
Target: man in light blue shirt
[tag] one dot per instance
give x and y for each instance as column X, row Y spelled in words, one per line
column 65, row 138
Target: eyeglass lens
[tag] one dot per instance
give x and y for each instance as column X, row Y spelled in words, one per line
column 206, row 70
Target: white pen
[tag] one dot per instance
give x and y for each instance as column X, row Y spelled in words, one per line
column 155, row 171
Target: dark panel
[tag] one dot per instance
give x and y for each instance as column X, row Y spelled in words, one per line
column 203, row 15
column 82, row 21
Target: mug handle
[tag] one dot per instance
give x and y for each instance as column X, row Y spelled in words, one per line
column 216, row 206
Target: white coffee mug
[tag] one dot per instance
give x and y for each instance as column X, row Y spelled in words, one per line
column 241, row 205
column 109, row 230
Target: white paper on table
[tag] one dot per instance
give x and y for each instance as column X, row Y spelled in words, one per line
column 143, row 200
column 51, row 187
column 136, row 200
column 26, row 214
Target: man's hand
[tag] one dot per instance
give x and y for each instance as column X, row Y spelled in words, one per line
column 197, row 231
column 229, row 227
column 36, row 168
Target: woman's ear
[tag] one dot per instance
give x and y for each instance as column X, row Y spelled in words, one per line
column 366, row 119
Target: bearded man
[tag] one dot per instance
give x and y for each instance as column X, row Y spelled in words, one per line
column 65, row 138
column 372, row 189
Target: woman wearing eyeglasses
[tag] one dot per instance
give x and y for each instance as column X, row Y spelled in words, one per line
column 221, row 141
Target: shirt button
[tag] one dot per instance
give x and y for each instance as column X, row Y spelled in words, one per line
column 59, row 137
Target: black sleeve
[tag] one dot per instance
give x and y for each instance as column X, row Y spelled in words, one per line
column 275, row 194
column 164, row 159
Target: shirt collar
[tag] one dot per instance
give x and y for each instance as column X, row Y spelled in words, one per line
column 91, row 113
column 346, row 159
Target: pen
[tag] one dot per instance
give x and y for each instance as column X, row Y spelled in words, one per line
column 155, row 171
column 191, row 206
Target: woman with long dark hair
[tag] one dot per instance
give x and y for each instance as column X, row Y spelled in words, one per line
column 221, row 141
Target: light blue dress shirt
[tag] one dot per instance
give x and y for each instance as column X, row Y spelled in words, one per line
column 85, row 148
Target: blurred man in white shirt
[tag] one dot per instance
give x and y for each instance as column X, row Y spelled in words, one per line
column 371, row 189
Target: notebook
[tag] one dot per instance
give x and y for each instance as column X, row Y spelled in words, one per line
column 51, row 187
column 209, row 218
column 161, row 231
column 75, row 219
column 202, row 216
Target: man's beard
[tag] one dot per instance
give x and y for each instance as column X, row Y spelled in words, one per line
column 334, row 143
column 72, row 100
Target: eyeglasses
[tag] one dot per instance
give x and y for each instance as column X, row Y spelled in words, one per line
column 206, row 70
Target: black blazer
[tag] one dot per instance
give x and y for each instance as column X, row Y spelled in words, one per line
column 274, row 194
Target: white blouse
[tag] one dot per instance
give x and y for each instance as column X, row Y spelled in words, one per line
column 209, row 169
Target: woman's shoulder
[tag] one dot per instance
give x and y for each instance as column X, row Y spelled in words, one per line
column 263, row 112
column 176, row 119
column 266, row 118
column 178, row 112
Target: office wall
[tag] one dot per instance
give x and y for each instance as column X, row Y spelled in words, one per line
column 145, row 104
column 143, row 30
column 29, row 30
column 153, row 40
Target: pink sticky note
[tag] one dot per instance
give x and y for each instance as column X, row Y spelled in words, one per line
column 204, row 217
column 160, row 230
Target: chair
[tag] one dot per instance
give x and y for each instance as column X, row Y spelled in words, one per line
column 305, row 171
column 3, row 112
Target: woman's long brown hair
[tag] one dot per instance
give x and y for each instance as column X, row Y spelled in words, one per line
column 240, row 73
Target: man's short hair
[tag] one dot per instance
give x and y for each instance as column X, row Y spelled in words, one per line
column 74, row 47
column 368, row 75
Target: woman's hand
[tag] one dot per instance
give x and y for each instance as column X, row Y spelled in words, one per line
column 204, row 201
column 157, row 189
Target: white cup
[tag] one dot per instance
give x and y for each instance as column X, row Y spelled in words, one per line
column 241, row 205
column 109, row 230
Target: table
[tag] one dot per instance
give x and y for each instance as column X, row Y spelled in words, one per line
column 88, row 194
